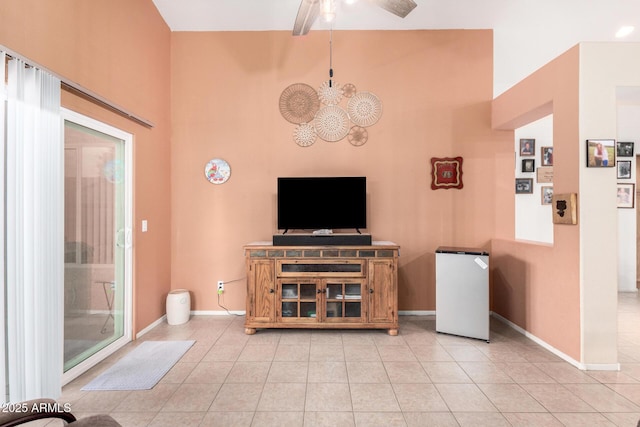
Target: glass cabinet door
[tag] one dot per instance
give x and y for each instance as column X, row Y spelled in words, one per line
column 298, row 300
column 343, row 300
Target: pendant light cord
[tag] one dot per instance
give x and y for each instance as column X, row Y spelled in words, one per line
column 330, row 54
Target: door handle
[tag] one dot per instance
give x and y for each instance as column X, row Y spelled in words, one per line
column 124, row 238
column 120, row 238
column 128, row 238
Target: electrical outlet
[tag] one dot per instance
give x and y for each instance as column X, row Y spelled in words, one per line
column 220, row 286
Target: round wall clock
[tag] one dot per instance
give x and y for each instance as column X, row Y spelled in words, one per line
column 217, row 171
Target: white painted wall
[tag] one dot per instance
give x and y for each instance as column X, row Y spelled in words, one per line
column 603, row 68
column 533, row 219
column 628, row 130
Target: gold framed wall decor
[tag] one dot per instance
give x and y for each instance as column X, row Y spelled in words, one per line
column 446, row 172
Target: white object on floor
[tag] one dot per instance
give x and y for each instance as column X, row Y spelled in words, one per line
column 178, row 306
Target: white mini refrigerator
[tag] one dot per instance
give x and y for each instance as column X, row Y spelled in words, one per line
column 462, row 292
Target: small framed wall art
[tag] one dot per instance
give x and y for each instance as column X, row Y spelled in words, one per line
column 546, row 194
column 564, row 208
column 546, row 156
column 544, row 174
column 601, row 153
column 524, row 185
column 446, row 172
column 626, row 193
column 624, row 169
column 528, row 165
column 527, row 147
column 624, row 149
column 217, row 171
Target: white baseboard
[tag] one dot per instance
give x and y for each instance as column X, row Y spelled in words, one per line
column 560, row 354
column 416, row 312
column 151, row 326
column 217, row 312
column 602, row 367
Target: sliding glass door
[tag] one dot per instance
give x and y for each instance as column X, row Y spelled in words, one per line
column 97, row 242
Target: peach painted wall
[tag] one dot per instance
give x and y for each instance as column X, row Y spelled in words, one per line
column 537, row 286
column 436, row 90
column 118, row 49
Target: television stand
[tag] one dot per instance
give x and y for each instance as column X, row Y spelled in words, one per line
column 322, row 287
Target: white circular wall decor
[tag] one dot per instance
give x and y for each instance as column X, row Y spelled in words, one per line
column 364, row 109
column 217, row 171
column 330, row 93
column 331, row 123
column 304, row 134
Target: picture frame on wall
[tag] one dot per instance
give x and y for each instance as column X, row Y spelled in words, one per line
column 544, row 174
column 626, row 195
column 601, row 153
column 446, row 172
column 546, row 156
column 624, row 169
column 528, row 165
column 524, row 185
column 546, row 194
column 527, row 147
column 564, row 208
column 624, row 149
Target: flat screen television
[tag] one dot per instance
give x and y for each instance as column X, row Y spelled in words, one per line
column 322, row 203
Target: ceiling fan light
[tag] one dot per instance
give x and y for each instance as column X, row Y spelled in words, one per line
column 328, row 10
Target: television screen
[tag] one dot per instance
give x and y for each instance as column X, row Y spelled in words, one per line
column 322, row 202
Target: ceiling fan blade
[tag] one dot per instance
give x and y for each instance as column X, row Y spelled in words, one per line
column 400, row 8
column 307, row 15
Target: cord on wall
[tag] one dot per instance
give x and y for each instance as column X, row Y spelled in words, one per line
column 224, row 282
column 226, row 309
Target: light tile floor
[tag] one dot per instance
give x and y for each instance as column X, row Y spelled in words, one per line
column 368, row 378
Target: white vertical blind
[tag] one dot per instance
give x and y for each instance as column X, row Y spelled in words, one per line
column 3, row 361
column 34, row 233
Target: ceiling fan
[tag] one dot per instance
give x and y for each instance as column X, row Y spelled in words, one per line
column 310, row 10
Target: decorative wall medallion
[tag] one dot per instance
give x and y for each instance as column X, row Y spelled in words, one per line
column 349, row 90
column 330, row 95
column 217, row 171
column 302, row 105
column 299, row 103
column 446, row 172
column 364, row 109
column 358, row 135
column 331, row 123
column 304, row 134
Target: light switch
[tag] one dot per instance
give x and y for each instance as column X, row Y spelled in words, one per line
column 144, row 225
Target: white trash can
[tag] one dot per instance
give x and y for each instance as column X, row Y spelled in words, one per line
column 178, row 306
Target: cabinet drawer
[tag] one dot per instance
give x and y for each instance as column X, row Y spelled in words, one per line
column 319, row 267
